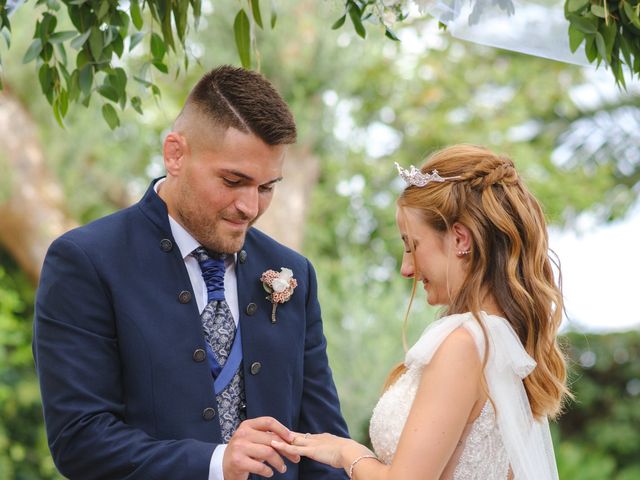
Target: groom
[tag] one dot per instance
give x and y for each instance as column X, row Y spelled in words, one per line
column 154, row 341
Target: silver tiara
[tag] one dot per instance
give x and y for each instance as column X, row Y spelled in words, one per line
column 417, row 178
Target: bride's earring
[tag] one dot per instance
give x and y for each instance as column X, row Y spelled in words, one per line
column 462, row 253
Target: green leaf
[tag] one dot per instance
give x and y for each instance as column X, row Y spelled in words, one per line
column 110, row 115
column 136, row 38
column 142, row 81
column 56, row 112
column 356, row 19
column 196, row 5
column 119, row 80
column 584, row 24
column 167, row 31
column 626, row 50
column 63, row 100
column 118, row 46
column 136, row 103
column 47, row 52
column 45, row 76
column 590, row 49
column 389, row 34
column 96, row 43
column 60, row 37
column 274, row 14
column 62, row 53
column 180, row 12
column 85, row 80
column 609, row 32
column 158, row 48
column 631, row 14
column 109, row 92
column 33, row 51
column 82, row 59
column 242, row 33
column 576, row 37
column 136, row 15
column 7, row 37
column 160, row 66
column 255, row 10
column 339, row 23
column 48, row 25
column 576, row 5
column 80, row 40
column 103, row 9
column 602, row 48
column 598, row 10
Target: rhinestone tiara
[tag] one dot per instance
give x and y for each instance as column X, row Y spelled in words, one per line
column 416, row 178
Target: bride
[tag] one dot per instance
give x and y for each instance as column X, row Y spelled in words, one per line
column 472, row 398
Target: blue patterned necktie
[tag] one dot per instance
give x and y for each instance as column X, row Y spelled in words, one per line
column 219, row 332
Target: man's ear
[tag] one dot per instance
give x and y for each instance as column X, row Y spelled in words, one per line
column 174, row 150
column 461, row 237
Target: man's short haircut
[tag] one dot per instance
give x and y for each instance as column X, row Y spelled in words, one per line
column 245, row 100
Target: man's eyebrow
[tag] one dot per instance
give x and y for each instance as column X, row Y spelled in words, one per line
column 248, row 178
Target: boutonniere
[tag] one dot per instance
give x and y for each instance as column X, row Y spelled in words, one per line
column 279, row 286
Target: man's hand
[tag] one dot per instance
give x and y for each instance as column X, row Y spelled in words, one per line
column 250, row 449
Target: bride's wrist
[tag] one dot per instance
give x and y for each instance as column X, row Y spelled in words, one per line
column 354, row 453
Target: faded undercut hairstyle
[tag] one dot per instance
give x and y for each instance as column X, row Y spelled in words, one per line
column 509, row 257
column 245, row 100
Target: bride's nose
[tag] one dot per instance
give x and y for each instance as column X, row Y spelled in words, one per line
column 407, row 269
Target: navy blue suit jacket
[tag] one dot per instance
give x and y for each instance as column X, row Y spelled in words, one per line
column 116, row 328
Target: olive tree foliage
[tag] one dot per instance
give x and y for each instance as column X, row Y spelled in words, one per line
column 79, row 47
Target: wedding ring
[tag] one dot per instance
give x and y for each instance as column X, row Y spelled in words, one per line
column 307, row 435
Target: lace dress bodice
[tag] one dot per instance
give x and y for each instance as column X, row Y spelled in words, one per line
column 481, row 452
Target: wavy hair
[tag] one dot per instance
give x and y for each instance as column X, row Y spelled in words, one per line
column 509, row 258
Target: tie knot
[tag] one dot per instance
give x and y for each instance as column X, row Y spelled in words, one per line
column 213, row 268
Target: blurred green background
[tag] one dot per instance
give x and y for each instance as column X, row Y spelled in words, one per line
column 360, row 105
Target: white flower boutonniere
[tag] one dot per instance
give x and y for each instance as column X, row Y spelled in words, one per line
column 279, row 286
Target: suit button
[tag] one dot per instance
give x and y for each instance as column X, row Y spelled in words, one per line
column 242, row 256
column 166, row 245
column 184, row 296
column 208, row 413
column 255, row 368
column 243, row 407
column 251, row 308
column 199, row 355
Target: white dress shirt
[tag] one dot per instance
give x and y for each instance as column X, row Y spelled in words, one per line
column 187, row 244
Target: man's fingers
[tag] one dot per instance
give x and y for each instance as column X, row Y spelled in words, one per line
column 269, row 424
column 244, row 455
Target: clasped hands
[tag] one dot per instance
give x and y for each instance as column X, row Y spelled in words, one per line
column 259, row 445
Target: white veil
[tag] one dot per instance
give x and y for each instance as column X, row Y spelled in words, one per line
column 535, row 27
column 526, row 440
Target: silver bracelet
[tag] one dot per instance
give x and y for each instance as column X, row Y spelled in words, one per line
column 353, row 464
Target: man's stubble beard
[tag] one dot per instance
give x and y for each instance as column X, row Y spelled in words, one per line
column 208, row 234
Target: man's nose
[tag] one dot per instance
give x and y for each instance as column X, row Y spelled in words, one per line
column 248, row 202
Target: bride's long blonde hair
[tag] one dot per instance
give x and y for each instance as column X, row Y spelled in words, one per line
column 509, row 258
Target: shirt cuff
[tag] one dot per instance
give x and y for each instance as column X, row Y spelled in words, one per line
column 215, row 467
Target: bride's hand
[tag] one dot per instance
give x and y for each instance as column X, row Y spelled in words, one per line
column 324, row 448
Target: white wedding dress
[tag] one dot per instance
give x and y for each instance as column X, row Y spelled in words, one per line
column 493, row 447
